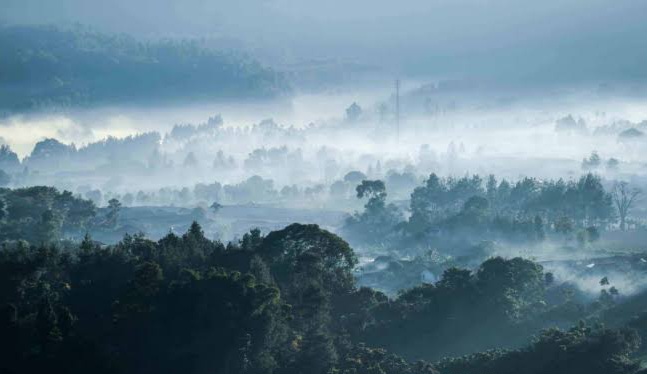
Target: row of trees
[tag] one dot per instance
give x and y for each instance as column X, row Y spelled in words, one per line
column 526, row 210
column 584, row 200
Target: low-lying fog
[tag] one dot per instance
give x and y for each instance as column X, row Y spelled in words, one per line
column 481, row 133
column 305, row 150
column 85, row 126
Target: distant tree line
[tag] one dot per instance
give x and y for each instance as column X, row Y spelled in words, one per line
column 45, row 67
column 526, row 210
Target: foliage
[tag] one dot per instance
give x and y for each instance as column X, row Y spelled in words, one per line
column 582, row 349
column 43, row 214
column 490, row 305
column 378, row 219
column 525, row 208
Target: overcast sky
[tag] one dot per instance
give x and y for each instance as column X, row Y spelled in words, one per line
column 535, row 40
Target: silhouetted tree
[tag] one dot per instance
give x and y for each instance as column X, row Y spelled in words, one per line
column 624, row 199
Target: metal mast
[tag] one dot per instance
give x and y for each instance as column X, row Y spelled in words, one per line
column 397, row 109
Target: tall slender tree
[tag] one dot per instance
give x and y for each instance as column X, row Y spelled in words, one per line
column 624, row 199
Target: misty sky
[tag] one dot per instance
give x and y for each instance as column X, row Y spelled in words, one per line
column 590, row 40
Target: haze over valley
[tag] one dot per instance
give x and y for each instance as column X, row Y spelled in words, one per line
column 273, row 186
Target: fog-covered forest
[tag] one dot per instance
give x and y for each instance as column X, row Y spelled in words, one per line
column 49, row 67
column 283, row 187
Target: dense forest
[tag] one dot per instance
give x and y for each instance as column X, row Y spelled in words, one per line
column 47, row 67
column 284, row 302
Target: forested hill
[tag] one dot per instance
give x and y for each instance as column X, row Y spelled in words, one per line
column 45, row 66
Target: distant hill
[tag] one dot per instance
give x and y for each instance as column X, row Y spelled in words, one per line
column 49, row 67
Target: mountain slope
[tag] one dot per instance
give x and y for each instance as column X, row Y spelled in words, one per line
column 44, row 66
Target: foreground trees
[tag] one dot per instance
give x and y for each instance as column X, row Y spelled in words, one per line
column 491, row 306
column 182, row 304
column 281, row 303
column 580, row 350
